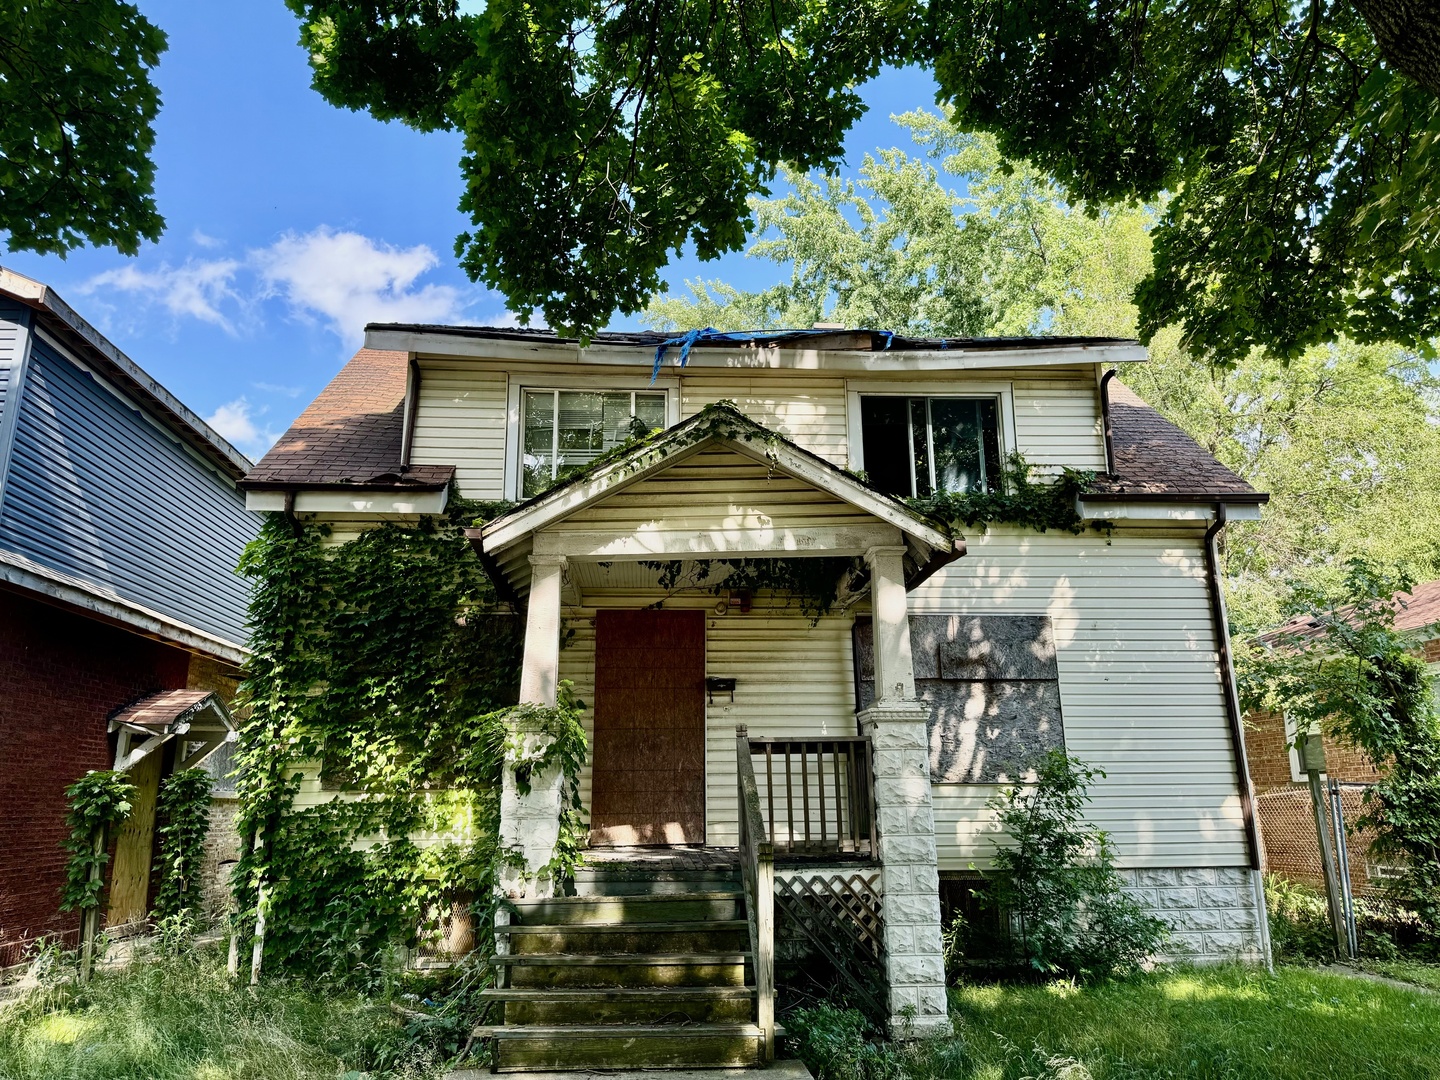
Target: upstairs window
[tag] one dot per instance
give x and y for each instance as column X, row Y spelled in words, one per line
column 565, row 430
column 917, row 446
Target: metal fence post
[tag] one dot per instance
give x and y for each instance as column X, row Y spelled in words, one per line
column 1342, row 854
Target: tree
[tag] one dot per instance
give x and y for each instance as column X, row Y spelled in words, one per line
column 1344, row 437
column 76, row 107
column 900, row 250
column 1345, row 670
column 601, row 137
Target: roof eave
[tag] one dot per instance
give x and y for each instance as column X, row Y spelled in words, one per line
column 73, row 331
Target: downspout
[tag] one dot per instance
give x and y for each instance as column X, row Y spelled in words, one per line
column 1105, row 428
column 412, row 401
column 1232, row 694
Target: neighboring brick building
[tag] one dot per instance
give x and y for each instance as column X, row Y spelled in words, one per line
column 1282, row 795
column 120, row 527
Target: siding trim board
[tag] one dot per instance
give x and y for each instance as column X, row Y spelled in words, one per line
column 66, row 590
column 14, row 360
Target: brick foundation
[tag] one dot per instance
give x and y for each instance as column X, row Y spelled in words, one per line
column 61, row 675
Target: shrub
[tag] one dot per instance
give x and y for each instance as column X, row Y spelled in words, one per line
column 1056, row 884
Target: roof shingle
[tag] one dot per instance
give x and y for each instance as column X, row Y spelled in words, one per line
column 1152, row 458
column 350, row 435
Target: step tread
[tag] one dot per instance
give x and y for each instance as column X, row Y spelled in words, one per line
column 618, row 1031
column 637, row 898
column 581, row 993
column 640, row 959
column 688, row 926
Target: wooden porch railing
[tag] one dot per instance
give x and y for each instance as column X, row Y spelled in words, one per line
column 757, row 870
column 819, row 795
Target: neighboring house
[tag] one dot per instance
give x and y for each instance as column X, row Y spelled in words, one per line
column 954, row 659
column 121, row 616
column 1282, row 792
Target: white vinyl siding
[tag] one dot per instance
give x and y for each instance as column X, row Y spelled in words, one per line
column 1139, row 682
column 461, row 421
column 1057, row 418
column 715, row 488
column 808, row 411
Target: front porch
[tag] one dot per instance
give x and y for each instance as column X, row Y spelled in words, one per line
column 729, row 760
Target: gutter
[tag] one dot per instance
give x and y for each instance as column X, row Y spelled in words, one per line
column 412, row 404
column 1231, row 691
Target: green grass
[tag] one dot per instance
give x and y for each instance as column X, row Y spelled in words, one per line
column 1229, row 1023
column 1427, row 975
column 1226, row 1023
column 184, row 1020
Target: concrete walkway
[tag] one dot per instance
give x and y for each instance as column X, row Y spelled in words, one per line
column 1370, row 976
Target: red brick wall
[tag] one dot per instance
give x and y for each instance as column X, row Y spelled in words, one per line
column 1267, row 751
column 1269, row 756
column 61, row 675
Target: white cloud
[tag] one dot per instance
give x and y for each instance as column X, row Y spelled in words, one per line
column 205, row 240
column 341, row 280
column 348, row 280
column 235, row 421
column 197, row 289
column 276, row 388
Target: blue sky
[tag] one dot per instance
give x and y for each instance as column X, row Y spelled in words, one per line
column 290, row 224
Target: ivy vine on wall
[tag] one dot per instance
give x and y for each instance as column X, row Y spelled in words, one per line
column 98, row 801
column 387, row 658
column 184, row 811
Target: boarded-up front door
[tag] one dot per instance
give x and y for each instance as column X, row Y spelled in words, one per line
column 648, row 761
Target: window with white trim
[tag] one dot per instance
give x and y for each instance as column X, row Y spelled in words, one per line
column 563, row 431
column 917, row 446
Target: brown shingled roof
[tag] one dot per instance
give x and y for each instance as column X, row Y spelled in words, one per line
column 1415, row 610
column 350, row 435
column 1154, row 459
column 161, row 711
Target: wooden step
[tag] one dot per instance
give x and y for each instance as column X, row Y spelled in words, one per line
column 722, row 936
column 627, row 1046
column 639, row 970
column 647, row 907
column 626, row 1005
column 623, row 880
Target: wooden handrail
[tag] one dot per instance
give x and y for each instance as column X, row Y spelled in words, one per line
column 835, row 775
column 757, row 870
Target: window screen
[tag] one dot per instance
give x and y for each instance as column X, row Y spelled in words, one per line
column 565, row 430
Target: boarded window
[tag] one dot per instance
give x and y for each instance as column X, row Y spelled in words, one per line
column 993, row 689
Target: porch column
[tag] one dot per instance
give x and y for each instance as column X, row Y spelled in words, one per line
column 896, row 725
column 530, row 822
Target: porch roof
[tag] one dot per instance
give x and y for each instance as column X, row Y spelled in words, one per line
column 556, row 522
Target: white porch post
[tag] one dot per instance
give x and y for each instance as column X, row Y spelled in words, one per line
column 896, row 724
column 530, row 823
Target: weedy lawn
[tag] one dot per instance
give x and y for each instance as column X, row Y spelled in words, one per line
column 183, row 1020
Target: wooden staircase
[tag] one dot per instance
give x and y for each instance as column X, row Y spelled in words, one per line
column 646, row 968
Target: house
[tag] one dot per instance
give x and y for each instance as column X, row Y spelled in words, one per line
column 121, row 617
column 848, row 749
column 1282, row 794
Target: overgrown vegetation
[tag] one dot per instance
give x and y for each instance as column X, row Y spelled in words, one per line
column 98, row 800
column 184, row 812
column 1300, row 927
column 1055, row 886
column 183, row 1018
column 1344, row 669
column 384, row 659
column 1017, row 499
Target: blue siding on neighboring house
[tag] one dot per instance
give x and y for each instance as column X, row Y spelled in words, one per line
column 97, row 490
column 12, row 328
